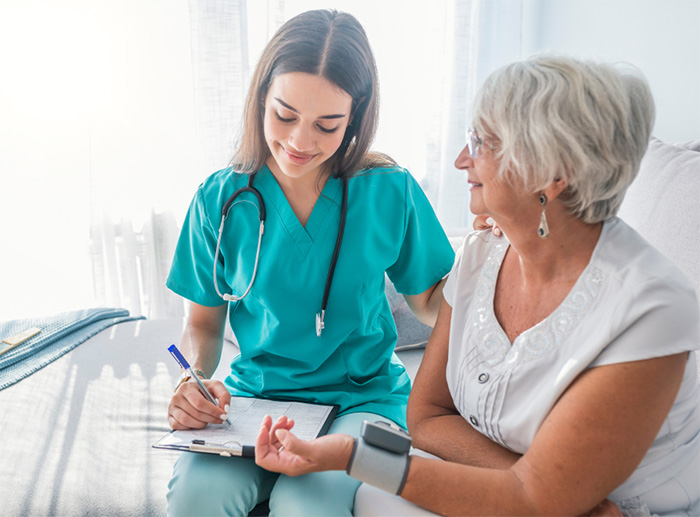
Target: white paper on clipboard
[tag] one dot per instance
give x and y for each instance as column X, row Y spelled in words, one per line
column 246, row 414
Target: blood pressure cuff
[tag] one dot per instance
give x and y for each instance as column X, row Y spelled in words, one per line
column 380, row 457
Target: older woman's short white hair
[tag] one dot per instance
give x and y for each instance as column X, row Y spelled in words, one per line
column 557, row 117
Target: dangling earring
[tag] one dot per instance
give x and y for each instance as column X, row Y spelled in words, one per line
column 543, row 229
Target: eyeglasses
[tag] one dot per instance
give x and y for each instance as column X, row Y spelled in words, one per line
column 474, row 142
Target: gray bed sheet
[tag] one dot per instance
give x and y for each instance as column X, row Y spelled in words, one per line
column 77, row 434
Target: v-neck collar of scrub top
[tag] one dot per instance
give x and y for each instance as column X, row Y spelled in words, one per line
column 303, row 236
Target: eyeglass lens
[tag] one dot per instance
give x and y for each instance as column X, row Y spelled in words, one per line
column 473, row 144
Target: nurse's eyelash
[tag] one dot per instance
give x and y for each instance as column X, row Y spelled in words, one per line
column 319, row 126
column 282, row 119
column 328, row 131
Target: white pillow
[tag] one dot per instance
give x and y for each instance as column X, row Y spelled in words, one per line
column 663, row 203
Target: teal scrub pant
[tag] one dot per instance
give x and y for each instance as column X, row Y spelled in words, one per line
column 208, row 485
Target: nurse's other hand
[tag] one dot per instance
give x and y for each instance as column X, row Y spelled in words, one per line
column 278, row 450
column 484, row 222
column 188, row 409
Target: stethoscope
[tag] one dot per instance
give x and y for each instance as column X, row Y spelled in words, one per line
column 320, row 316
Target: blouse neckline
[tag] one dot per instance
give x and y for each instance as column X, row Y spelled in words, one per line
column 546, row 334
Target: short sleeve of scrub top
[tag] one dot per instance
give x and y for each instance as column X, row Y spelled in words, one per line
column 390, row 229
column 423, row 236
column 191, row 272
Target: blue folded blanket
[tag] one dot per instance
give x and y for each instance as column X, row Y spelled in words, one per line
column 59, row 334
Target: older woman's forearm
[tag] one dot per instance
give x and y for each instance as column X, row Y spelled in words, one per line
column 451, row 438
column 466, row 490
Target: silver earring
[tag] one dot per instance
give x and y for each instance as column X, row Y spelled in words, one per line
column 543, row 229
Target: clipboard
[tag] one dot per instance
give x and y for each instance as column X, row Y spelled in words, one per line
column 311, row 420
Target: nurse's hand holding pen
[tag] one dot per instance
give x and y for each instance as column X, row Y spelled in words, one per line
column 197, row 401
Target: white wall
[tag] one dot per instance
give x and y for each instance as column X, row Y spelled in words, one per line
column 661, row 37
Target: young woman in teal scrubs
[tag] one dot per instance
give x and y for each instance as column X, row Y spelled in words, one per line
column 309, row 120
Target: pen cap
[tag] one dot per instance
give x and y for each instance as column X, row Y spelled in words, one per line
column 178, row 357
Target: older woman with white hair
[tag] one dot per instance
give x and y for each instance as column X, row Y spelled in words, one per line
column 560, row 377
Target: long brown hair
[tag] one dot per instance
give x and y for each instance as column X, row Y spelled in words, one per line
column 332, row 45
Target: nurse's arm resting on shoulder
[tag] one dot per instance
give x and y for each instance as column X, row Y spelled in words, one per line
column 426, row 305
column 202, row 341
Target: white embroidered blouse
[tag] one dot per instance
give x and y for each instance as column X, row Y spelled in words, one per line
column 630, row 303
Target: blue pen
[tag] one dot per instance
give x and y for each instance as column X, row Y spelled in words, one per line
column 186, row 366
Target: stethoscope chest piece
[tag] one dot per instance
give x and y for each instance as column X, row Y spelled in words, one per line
column 320, row 325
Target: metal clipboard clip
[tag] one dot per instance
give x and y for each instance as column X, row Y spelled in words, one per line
column 227, row 449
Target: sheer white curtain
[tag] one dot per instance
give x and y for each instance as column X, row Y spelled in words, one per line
column 114, row 112
column 143, row 154
column 98, row 153
column 431, row 58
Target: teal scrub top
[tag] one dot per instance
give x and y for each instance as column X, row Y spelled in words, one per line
column 390, row 228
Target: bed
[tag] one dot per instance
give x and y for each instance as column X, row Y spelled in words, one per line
column 77, row 433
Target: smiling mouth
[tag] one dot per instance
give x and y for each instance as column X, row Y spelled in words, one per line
column 475, row 184
column 299, row 159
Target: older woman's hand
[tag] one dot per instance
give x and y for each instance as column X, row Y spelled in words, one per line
column 278, row 450
column 484, row 222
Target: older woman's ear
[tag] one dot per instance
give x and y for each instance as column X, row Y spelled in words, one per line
column 554, row 189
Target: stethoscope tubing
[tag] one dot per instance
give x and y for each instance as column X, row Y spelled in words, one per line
column 224, row 214
column 231, row 297
column 320, row 317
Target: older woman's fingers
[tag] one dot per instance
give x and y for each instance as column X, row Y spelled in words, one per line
column 282, row 423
